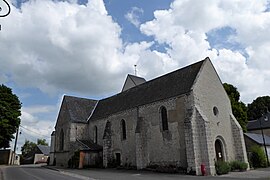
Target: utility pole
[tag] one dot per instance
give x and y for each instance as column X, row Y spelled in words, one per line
column 265, row 118
column 13, row 156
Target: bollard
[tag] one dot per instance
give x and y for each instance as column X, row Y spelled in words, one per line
column 203, row 169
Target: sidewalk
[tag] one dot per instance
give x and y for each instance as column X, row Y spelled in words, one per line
column 94, row 174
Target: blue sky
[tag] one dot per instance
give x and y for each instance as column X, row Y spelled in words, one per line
column 86, row 49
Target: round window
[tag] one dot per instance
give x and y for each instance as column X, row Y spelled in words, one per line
column 215, row 111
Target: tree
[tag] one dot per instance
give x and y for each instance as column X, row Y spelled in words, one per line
column 42, row 142
column 10, row 110
column 28, row 147
column 239, row 109
column 258, row 107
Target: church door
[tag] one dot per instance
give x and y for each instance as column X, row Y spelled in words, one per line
column 118, row 159
column 219, row 151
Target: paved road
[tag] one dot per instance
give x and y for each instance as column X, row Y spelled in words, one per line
column 35, row 172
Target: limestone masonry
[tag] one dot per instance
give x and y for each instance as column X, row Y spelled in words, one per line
column 182, row 119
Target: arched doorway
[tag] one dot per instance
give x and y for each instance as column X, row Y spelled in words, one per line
column 219, row 150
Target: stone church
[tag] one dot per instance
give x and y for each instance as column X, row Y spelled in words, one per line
column 182, row 119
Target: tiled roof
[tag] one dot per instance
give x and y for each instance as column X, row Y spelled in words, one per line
column 255, row 124
column 79, row 109
column 258, row 138
column 44, row 149
column 170, row 85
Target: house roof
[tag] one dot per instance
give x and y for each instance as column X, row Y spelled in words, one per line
column 170, row 85
column 79, row 109
column 258, row 138
column 44, row 149
column 255, row 124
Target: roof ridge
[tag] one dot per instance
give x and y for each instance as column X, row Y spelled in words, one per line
column 169, row 85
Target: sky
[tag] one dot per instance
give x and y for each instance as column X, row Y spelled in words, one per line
column 86, row 48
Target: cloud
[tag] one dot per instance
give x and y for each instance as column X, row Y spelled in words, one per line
column 187, row 24
column 133, row 16
column 69, row 48
column 78, row 48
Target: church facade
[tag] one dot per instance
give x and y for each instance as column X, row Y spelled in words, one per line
column 182, row 119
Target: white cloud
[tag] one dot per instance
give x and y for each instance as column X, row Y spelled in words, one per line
column 186, row 24
column 77, row 48
column 133, row 16
column 61, row 46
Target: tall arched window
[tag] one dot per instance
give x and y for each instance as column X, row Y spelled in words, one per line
column 61, row 140
column 95, row 134
column 164, row 118
column 124, row 131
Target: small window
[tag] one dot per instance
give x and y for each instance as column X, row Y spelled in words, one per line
column 215, row 111
column 95, row 134
column 124, row 131
column 164, row 118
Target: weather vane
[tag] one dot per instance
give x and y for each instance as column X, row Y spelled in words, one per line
column 8, row 9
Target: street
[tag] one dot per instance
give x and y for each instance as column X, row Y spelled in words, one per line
column 34, row 172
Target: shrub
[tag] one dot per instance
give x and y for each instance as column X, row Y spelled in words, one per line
column 222, row 167
column 258, row 157
column 238, row 165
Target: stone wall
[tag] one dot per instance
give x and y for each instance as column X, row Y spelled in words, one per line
column 143, row 132
column 211, row 100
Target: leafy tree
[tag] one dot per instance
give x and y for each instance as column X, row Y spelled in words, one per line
column 10, row 110
column 42, row 142
column 258, row 107
column 27, row 147
column 239, row 109
column 30, row 146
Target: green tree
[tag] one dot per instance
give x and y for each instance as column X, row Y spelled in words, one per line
column 30, row 146
column 258, row 107
column 239, row 109
column 27, row 147
column 10, row 110
column 42, row 142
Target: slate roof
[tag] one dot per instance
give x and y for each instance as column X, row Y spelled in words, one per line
column 136, row 80
column 167, row 86
column 79, row 109
column 258, row 138
column 44, row 149
column 255, row 124
column 88, row 145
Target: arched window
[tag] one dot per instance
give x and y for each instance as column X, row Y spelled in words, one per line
column 164, row 118
column 95, row 134
column 124, row 131
column 61, row 140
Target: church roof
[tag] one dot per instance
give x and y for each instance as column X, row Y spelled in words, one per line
column 258, row 138
column 134, row 81
column 88, row 145
column 170, row 85
column 79, row 109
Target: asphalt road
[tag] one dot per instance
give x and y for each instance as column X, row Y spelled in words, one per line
column 34, row 172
